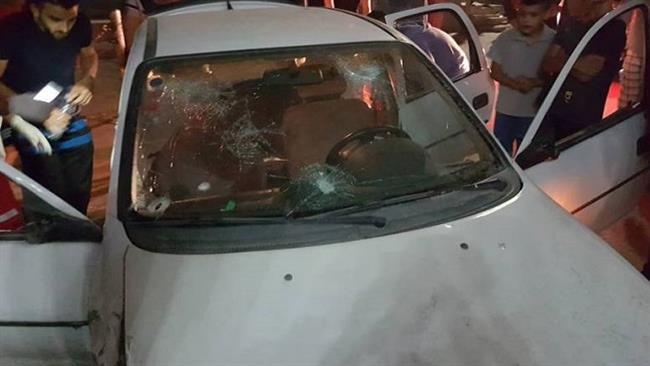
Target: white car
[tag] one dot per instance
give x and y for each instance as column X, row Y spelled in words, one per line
column 302, row 186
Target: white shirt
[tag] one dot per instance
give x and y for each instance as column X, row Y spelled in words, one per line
column 519, row 56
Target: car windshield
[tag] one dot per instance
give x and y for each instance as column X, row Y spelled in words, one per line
column 302, row 131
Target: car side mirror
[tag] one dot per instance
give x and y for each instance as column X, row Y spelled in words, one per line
column 536, row 153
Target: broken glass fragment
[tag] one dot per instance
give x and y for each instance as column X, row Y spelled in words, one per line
column 319, row 187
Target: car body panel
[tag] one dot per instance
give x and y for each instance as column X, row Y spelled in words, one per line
column 60, row 346
column 594, row 175
column 49, row 282
column 45, row 291
column 214, row 31
column 521, row 293
column 533, row 286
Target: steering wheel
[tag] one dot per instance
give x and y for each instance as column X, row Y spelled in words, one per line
column 360, row 138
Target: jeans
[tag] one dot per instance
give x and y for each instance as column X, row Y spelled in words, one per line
column 509, row 129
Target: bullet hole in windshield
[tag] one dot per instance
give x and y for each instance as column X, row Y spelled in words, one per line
column 156, row 207
column 464, row 246
column 156, row 82
column 320, row 186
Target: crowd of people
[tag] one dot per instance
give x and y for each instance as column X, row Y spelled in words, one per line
column 55, row 144
column 527, row 58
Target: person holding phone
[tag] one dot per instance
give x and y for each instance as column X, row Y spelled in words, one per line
column 39, row 46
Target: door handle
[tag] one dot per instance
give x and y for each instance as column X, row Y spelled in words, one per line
column 643, row 145
column 480, row 101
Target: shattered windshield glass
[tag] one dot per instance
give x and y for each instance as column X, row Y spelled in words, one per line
column 298, row 132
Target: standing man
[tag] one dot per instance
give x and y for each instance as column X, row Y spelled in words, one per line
column 42, row 45
column 438, row 45
column 136, row 11
column 581, row 100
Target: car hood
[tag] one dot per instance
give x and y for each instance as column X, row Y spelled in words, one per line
column 522, row 283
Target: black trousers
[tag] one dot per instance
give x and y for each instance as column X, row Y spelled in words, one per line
column 68, row 174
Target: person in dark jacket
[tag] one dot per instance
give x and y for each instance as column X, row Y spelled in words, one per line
column 53, row 35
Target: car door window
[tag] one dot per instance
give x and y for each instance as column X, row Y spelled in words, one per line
column 604, row 87
column 38, row 218
column 446, row 34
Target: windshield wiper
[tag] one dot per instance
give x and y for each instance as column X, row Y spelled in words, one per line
column 490, row 184
column 496, row 184
column 376, row 221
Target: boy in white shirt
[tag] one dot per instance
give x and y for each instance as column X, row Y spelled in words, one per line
column 516, row 56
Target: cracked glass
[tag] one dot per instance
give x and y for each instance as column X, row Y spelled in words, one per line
column 297, row 132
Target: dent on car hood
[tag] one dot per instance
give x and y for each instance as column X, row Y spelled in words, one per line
column 521, row 284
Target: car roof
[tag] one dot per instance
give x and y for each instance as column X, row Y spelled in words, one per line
column 253, row 26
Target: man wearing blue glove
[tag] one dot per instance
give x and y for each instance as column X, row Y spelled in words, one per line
column 39, row 46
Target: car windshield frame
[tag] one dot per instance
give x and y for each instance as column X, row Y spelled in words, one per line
column 125, row 184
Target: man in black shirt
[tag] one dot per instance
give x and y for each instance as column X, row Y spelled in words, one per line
column 581, row 100
column 39, row 46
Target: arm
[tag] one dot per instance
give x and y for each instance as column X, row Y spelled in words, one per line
column 554, row 60
column 364, row 7
column 132, row 20
column 5, row 91
column 89, row 61
column 496, row 72
column 82, row 92
column 19, row 125
column 587, row 67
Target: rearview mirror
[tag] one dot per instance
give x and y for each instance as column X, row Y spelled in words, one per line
column 294, row 76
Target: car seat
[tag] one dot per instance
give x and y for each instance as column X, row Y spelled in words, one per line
column 312, row 129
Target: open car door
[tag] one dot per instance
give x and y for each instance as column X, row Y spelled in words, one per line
column 48, row 252
column 598, row 168
column 442, row 21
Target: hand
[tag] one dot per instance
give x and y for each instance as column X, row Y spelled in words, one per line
column 591, row 64
column 537, row 83
column 525, row 85
column 32, row 134
column 80, row 94
column 57, row 122
column 554, row 63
